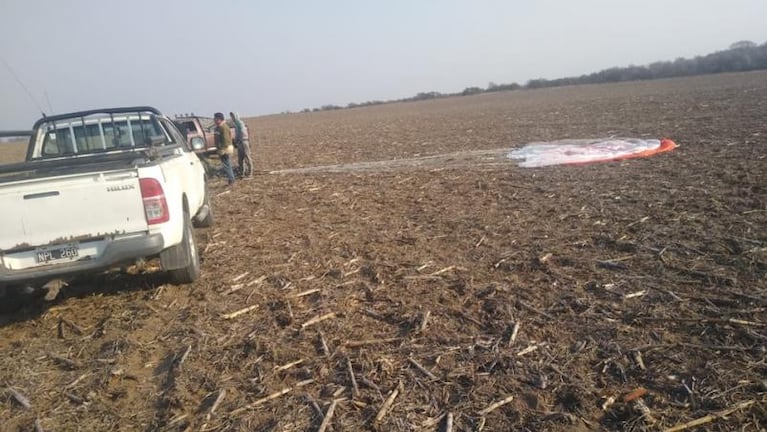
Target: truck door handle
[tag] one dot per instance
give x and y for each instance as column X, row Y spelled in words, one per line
column 41, row 195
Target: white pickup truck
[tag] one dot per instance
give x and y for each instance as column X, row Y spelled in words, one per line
column 101, row 189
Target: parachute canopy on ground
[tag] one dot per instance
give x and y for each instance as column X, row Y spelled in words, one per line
column 582, row 151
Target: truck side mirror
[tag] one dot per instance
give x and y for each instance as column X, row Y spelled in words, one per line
column 198, row 143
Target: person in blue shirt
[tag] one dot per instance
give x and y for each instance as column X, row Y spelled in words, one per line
column 242, row 142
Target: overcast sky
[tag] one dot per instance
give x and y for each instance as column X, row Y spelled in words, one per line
column 261, row 57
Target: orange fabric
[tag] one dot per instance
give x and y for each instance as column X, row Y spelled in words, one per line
column 665, row 146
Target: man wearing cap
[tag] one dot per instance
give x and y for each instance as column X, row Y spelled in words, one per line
column 224, row 144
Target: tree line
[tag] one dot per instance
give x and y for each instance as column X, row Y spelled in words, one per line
column 741, row 56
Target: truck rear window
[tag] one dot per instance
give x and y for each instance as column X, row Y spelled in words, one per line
column 100, row 134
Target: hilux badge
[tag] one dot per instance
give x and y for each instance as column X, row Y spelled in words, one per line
column 118, row 188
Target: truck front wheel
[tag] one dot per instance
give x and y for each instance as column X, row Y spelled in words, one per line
column 182, row 261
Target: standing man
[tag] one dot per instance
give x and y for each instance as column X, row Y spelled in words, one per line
column 243, row 145
column 224, row 145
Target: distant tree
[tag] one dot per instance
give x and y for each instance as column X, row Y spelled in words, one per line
column 744, row 44
column 427, row 95
column 471, row 91
column 493, row 87
column 537, row 83
column 512, row 86
column 741, row 56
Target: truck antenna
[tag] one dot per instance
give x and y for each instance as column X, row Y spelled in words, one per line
column 48, row 100
column 16, row 77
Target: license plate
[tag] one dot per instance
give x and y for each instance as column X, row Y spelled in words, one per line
column 57, row 253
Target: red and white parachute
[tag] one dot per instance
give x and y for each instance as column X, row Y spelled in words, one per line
column 582, row 151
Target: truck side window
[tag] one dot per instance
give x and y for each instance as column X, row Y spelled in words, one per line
column 57, row 142
column 50, row 144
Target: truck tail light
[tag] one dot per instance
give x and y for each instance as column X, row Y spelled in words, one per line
column 155, row 205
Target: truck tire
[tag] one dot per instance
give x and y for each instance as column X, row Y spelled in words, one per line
column 185, row 252
column 206, row 211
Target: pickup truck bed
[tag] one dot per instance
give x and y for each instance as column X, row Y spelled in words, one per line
column 104, row 206
column 40, row 169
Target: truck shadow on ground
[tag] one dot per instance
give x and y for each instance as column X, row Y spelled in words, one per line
column 18, row 307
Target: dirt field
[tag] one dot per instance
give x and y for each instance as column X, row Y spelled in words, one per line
column 11, row 152
column 445, row 282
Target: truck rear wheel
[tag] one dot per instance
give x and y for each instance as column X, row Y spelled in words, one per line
column 185, row 254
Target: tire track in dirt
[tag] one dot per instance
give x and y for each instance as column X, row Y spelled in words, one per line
column 464, row 159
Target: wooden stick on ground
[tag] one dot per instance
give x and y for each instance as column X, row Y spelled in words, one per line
column 274, row 395
column 177, row 419
column 645, row 410
column 239, row 277
column 288, row 366
column 355, row 387
column 256, row 281
column 72, row 326
column 639, row 361
column 424, row 321
column 423, row 267
column 421, row 368
column 433, row 421
column 538, row 311
column 449, row 422
column 357, row 344
column 76, row 381
column 325, row 349
column 496, row 405
column 216, row 403
column 387, row 403
column 328, row 416
column 746, row 323
column 610, row 401
column 20, row 398
column 446, row 269
column 234, row 288
column 316, row 406
column 528, row 350
column 370, row 384
column 514, row 333
column 72, row 364
column 711, row 417
column 183, row 357
column 235, row 314
column 76, row 399
column 481, row 424
column 305, row 293
column 317, row 319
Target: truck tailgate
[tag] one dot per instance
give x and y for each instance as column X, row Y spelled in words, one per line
column 70, row 208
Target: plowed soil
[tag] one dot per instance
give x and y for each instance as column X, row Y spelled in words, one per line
column 452, row 285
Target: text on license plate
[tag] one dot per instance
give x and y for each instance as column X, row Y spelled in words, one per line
column 57, row 253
